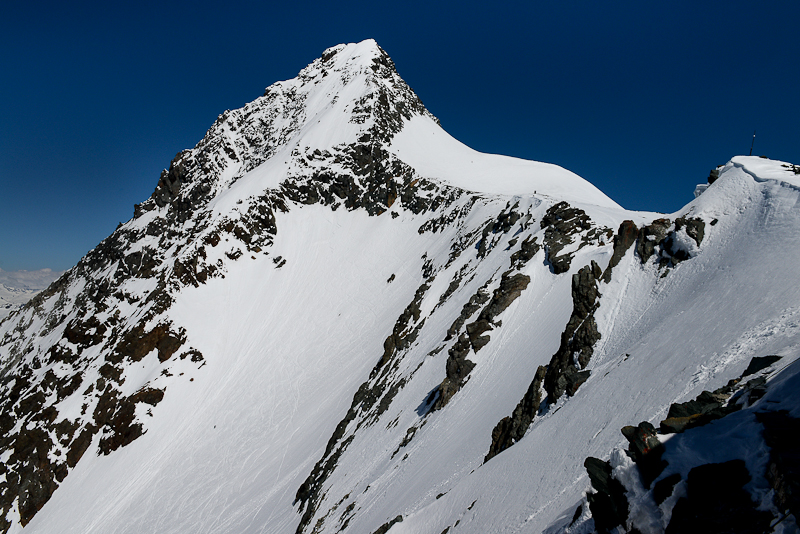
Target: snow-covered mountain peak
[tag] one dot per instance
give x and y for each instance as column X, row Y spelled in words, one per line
column 351, row 94
column 332, row 316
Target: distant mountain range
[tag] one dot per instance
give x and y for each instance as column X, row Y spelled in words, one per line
column 18, row 287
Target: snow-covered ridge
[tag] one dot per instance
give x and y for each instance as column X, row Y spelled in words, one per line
column 425, row 146
column 767, row 169
column 351, row 91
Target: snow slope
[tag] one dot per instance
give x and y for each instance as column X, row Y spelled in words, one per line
column 295, row 289
column 424, row 145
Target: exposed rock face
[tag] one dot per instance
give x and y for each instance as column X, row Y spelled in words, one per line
column 560, row 375
column 624, row 238
column 609, row 505
column 383, row 529
column 474, row 304
column 650, row 236
column 717, row 502
column 512, row 429
column 561, row 223
column 672, row 251
column 457, row 369
column 695, row 227
column 646, row 450
column 705, row 408
column 458, row 366
column 578, row 338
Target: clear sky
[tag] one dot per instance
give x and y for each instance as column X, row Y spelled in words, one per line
column 642, row 99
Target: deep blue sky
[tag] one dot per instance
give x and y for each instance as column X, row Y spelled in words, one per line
column 638, row 98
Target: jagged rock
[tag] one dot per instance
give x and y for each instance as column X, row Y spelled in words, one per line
column 169, row 185
column 712, row 176
column 646, row 450
column 512, row 429
column 511, row 287
column 527, row 249
column 672, row 251
column 781, row 433
column 401, row 335
column 477, row 300
column 609, row 505
column 457, row 369
column 695, row 227
column 624, row 238
column 578, row 338
column 137, row 343
column 474, row 331
column 717, row 502
column 561, row 222
column 758, row 363
column 705, row 408
column 572, row 379
column 650, row 236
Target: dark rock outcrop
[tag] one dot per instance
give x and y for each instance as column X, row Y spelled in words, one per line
column 560, row 376
column 511, row 287
column 578, row 338
column 717, row 502
column 458, row 366
column 384, row 528
column 646, row 450
column 456, row 371
column 512, row 429
column 624, row 238
column 474, row 303
column 560, row 223
column 757, row 363
column 608, row 504
column 650, row 236
column 705, row 408
column 695, row 227
column 671, row 252
column 527, row 249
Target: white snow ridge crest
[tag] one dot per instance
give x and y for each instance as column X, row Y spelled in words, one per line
column 332, row 316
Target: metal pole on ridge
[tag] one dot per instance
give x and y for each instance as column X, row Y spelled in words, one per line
column 754, row 142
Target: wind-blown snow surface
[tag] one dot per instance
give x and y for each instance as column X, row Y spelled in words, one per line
column 289, row 334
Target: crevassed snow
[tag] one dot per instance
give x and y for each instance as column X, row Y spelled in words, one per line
column 424, row 145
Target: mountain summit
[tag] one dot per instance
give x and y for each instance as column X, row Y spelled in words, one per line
column 332, row 316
